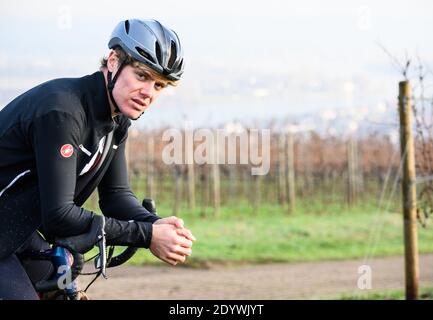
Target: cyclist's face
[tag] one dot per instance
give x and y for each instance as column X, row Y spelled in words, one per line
column 135, row 90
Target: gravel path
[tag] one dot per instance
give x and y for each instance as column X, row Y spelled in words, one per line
column 311, row 280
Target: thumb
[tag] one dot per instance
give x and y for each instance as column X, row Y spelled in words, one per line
column 177, row 222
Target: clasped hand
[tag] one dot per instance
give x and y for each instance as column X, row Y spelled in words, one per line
column 171, row 241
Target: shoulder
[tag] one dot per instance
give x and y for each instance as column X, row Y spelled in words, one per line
column 58, row 100
column 60, row 94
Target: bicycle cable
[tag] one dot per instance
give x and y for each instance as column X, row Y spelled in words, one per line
column 98, row 273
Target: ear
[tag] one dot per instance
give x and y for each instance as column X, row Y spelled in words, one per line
column 112, row 61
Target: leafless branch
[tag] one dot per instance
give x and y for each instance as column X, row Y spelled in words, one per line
column 402, row 68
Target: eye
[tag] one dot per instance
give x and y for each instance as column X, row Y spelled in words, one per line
column 159, row 86
column 142, row 76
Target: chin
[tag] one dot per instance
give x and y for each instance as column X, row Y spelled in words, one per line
column 131, row 113
column 134, row 115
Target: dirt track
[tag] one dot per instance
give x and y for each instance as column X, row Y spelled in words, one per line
column 270, row 281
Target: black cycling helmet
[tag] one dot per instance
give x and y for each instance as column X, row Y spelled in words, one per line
column 150, row 42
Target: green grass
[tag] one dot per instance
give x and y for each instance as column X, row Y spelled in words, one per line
column 425, row 294
column 333, row 232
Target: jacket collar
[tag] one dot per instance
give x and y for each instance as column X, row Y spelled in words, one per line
column 99, row 113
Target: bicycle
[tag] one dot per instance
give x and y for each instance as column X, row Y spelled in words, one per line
column 68, row 265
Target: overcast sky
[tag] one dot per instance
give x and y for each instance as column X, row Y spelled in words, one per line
column 325, row 52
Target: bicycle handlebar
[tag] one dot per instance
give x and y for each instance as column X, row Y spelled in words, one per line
column 125, row 255
column 58, row 255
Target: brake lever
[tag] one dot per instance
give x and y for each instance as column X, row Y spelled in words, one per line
column 101, row 259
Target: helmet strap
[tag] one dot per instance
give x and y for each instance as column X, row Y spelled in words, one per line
column 110, row 86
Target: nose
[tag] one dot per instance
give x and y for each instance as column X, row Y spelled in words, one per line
column 148, row 89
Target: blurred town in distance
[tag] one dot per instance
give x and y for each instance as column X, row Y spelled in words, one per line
column 288, row 63
column 251, row 98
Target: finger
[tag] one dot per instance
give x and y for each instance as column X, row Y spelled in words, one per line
column 185, row 242
column 190, row 235
column 176, row 257
column 177, row 222
column 170, row 261
column 183, row 251
column 186, row 233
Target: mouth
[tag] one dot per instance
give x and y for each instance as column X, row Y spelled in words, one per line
column 140, row 103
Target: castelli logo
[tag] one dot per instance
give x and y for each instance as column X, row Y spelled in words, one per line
column 66, row 150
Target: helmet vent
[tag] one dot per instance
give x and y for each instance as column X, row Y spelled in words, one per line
column 158, row 52
column 127, row 26
column 145, row 54
column 173, row 55
column 180, row 65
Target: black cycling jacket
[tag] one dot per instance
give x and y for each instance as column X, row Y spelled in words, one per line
column 48, row 135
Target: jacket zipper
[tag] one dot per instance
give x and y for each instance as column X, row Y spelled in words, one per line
column 85, row 150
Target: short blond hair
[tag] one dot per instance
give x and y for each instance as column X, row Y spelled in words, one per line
column 128, row 60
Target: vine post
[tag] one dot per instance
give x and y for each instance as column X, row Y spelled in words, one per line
column 409, row 192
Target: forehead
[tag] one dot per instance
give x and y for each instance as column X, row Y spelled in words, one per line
column 140, row 67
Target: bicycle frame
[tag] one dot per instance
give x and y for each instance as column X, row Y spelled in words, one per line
column 67, row 267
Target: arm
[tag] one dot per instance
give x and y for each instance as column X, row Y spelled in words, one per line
column 170, row 242
column 57, row 179
column 116, row 199
column 57, row 173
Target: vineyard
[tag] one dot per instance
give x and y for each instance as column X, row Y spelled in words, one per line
column 304, row 169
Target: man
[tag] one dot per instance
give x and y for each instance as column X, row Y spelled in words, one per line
column 63, row 138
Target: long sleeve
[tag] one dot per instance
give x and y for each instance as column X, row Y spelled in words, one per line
column 116, row 199
column 56, row 137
